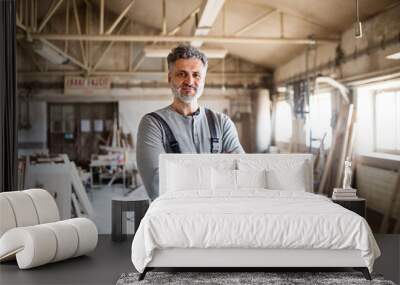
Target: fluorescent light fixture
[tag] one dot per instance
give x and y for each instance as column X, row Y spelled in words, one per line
column 395, row 55
column 358, row 32
column 48, row 53
column 206, row 18
column 162, row 52
column 281, row 89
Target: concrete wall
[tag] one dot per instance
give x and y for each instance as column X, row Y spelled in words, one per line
column 384, row 26
column 37, row 134
column 132, row 111
column 133, row 104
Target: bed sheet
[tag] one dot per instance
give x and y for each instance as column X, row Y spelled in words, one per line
column 250, row 218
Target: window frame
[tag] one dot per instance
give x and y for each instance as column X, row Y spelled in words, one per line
column 375, row 93
column 309, row 143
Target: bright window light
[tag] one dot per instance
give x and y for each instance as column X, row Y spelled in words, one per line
column 387, row 121
column 283, row 122
column 394, row 56
column 319, row 122
column 378, row 118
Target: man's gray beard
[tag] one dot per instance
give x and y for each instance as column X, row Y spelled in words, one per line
column 187, row 99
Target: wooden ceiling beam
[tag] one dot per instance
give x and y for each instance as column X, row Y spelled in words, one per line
column 54, row 73
column 49, row 14
column 78, row 28
column 183, row 22
column 296, row 14
column 255, row 22
column 161, row 38
column 120, row 17
column 110, row 44
column 66, row 55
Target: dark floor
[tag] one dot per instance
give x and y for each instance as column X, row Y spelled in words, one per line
column 111, row 259
column 102, row 266
column 375, row 219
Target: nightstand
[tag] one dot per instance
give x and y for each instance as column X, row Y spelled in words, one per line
column 358, row 205
column 136, row 202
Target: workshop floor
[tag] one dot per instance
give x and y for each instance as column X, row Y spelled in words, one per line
column 102, row 266
column 110, row 259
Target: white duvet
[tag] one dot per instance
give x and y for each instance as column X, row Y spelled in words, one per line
column 252, row 218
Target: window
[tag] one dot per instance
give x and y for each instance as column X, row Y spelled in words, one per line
column 387, row 121
column 283, row 122
column 319, row 123
column 378, row 118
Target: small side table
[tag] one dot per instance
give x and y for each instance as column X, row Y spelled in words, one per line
column 358, row 205
column 121, row 205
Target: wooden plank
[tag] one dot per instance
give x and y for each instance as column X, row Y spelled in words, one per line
column 50, row 14
column 328, row 165
column 66, row 24
column 21, row 15
column 78, row 28
column 180, row 25
column 110, row 44
column 177, row 39
column 120, row 17
column 79, row 189
column 259, row 20
column 319, row 157
column 352, row 139
column 72, row 59
column 20, row 25
column 75, row 203
column 345, row 143
column 81, row 192
column 55, row 179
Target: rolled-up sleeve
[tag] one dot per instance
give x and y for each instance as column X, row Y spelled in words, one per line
column 149, row 147
column 230, row 139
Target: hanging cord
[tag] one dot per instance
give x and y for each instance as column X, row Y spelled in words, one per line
column 357, row 11
column 358, row 25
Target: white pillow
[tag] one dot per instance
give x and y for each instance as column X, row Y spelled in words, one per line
column 282, row 173
column 293, row 179
column 181, row 178
column 251, row 178
column 223, row 179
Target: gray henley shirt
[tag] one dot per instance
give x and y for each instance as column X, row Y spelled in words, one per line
column 191, row 132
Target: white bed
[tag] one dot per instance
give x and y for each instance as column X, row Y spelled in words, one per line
column 249, row 210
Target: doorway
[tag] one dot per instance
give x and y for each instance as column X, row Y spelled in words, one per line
column 78, row 129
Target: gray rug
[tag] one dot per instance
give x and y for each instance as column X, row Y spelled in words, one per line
column 269, row 278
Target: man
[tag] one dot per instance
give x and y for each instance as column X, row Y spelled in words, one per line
column 183, row 126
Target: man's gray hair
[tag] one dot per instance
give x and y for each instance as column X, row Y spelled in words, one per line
column 183, row 51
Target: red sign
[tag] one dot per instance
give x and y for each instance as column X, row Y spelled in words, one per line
column 74, row 85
